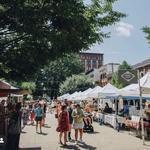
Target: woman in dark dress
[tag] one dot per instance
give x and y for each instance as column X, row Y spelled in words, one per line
column 63, row 124
column 14, row 128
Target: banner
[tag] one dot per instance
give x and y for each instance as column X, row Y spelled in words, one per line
column 127, row 77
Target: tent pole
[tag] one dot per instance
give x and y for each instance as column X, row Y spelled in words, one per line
column 141, row 109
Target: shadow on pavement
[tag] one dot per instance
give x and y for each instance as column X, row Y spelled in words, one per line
column 74, row 147
column 42, row 133
column 147, row 145
column 23, row 132
column 86, row 146
column 32, row 148
column 46, row 126
column 93, row 132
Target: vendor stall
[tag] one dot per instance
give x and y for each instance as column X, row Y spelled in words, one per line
column 6, row 89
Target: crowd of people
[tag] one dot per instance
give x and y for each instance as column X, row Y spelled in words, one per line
column 71, row 116
column 15, row 115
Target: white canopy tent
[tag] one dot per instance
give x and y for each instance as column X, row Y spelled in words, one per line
column 108, row 90
column 83, row 95
column 95, row 92
column 73, row 96
column 130, row 90
column 145, row 83
column 64, row 96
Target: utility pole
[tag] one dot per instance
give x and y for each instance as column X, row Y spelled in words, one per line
column 141, row 110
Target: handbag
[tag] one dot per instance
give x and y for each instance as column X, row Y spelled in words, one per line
column 14, row 127
column 56, row 115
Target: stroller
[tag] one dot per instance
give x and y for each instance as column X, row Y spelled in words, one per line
column 88, row 123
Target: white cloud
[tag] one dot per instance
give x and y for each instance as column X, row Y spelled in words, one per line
column 124, row 29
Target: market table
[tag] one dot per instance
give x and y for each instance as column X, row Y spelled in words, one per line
column 111, row 119
column 136, row 125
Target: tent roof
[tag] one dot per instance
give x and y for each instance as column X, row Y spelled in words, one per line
column 130, row 87
column 94, row 93
column 109, row 88
column 14, row 91
column 145, row 80
column 129, row 97
column 9, row 86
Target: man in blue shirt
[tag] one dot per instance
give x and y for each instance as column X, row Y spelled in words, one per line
column 126, row 109
column 38, row 117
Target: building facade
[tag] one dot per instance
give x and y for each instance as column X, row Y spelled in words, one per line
column 103, row 75
column 106, row 72
column 91, row 60
column 143, row 67
column 94, row 74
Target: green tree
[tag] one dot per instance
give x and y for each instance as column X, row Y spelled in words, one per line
column 32, row 32
column 56, row 72
column 115, row 78
column 147, row 31
column 76, row 83
column 124, row 66
column 27, row 85
column 115, row 81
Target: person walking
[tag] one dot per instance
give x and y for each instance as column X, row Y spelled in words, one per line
column 58, row 110
column 63, row 124
column 14, row 128
column 70, row 110
column 38, row 117
column 44, row 113
column 78, row 124
column 32, row 116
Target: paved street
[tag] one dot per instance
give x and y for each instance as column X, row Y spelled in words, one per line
column 104, row 138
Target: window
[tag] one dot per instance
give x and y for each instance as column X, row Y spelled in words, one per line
column 88, row 62
column 94, row 62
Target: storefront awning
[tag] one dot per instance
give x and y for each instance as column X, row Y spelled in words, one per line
column 14, row 91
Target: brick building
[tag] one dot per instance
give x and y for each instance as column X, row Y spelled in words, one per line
column 91, row 60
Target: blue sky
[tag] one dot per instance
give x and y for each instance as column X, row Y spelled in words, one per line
column 127, row 40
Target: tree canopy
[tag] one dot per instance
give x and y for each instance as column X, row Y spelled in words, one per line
column 56, row 72
column 147, row 31
column 124, row 65
column 32, row 32
column 76, row 83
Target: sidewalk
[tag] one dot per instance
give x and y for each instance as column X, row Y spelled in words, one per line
column 104, row 138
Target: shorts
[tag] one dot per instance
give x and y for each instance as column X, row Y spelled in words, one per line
column 44, row 115
column 38, row 118
column 78, row 125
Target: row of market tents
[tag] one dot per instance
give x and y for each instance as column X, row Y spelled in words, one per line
column 132, row 90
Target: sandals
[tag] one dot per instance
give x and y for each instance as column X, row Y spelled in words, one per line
column 60, row 142
column 65, row 145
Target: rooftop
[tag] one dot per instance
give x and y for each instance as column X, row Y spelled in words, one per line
column 91, row 52
column 142, row 64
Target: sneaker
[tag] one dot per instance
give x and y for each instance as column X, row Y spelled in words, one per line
column 81, row 141
column 76, row 142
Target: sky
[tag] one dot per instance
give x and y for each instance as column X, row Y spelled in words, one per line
column 127, row 41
